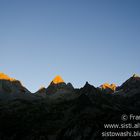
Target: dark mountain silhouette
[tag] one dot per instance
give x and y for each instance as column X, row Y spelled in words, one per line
column 130, row 86
column 11, row 88
column 61, row 112
column 57, row 89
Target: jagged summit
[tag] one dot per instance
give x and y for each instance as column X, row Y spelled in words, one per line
column 6, row 77
column 88, row 89
column 57, row 80
column 108, row 86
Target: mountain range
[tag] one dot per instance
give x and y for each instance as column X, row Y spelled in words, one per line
column 62, row 112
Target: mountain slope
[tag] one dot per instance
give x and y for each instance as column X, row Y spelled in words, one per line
column 130, row 87
column 11, row 88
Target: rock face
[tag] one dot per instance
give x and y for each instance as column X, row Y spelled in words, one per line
column 58, row 86
column 57, row 89
column 108, row 88
column 11, row 88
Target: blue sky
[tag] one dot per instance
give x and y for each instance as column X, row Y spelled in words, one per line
column 81, row 40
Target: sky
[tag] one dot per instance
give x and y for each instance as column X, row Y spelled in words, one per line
column 82, row 40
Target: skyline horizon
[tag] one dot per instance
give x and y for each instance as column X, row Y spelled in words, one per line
column 94, row 41
column 39, row 87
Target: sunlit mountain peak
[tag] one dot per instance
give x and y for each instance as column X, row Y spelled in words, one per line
column 6, row 77
column 108, row 86
column 57, row 80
